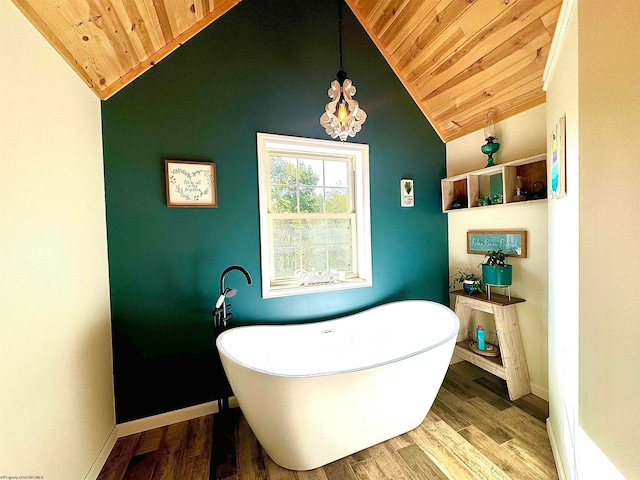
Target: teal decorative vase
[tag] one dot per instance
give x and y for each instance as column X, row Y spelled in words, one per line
column 497, row 275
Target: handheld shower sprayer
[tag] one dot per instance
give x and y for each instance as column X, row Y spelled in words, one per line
column 221, row 313
column 227, row 293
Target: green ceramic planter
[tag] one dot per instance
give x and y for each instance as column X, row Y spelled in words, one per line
column 496, row 275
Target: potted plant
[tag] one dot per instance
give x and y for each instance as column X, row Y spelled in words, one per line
column 495, row 269
column 471, row 282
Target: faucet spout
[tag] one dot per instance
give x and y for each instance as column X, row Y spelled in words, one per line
column 229, row 269
column 221, row 314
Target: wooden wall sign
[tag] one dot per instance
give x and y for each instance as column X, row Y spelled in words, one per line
column 191, row 184
column 512, row 242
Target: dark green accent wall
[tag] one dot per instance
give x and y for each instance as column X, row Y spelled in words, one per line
column 263, row 67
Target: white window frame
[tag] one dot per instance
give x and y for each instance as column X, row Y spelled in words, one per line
column 296, row 145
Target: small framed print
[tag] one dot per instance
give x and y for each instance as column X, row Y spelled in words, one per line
column 557, row 168
column 191, row 184
column 406, row 192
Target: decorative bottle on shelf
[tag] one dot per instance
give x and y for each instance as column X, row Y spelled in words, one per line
column 480, row 333
column 520, row 197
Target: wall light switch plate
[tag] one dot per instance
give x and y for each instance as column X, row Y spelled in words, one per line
column 406, row 192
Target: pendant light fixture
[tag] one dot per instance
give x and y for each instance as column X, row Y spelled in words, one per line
column 342, row 116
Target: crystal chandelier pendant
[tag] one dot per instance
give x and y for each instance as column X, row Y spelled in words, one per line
column 342, row 116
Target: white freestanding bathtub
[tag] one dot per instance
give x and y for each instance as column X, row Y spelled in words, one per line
column 314, row 393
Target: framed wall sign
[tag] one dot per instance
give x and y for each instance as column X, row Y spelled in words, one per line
column 406, row 192
column 557, row 167
column 191, row 184
column 512, row 242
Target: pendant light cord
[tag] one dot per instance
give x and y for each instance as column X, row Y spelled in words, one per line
column 340, row 31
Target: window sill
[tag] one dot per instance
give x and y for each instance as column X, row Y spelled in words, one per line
column 287, row 291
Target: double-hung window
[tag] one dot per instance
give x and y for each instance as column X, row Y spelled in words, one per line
column 314, row 215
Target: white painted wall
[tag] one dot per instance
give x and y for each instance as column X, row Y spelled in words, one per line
column 594, row 251
column 56, row 386
column 520, row 136
column 564, row 240
column 609, row 99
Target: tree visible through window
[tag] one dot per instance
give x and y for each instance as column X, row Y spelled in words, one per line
column 314, row 214
column 311, row 215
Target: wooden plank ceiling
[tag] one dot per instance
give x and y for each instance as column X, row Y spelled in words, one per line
column 458, row 59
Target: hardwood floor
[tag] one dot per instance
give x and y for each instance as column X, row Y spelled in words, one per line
column 473, row 431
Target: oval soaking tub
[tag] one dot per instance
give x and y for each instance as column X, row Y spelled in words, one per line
column 316, row 392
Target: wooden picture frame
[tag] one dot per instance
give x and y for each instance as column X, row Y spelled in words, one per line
column 557, row 180
column 191, row 184
column 512, row 242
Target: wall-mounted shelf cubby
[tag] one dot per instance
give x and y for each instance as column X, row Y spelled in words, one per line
column 499, row 183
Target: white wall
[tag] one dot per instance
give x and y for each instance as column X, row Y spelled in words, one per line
column 56, row 386
column 594, row 253
column 564, row 238
column 520, row 136
column 609, row 99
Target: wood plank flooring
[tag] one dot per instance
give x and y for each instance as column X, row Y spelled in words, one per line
column 473, row 431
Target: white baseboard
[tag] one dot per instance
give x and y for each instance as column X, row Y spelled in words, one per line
column 535, row 389
column 101, row 459
column 593, row 462
column 561, row 466
column 540, row 392
column 168, row 418
column 149, row 423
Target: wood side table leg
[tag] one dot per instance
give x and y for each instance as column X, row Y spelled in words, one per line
column 512, row 351
column 464, row 314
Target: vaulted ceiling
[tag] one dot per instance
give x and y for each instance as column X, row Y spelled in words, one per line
column 458, row 59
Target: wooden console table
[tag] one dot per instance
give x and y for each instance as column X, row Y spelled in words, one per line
column 511, row 364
